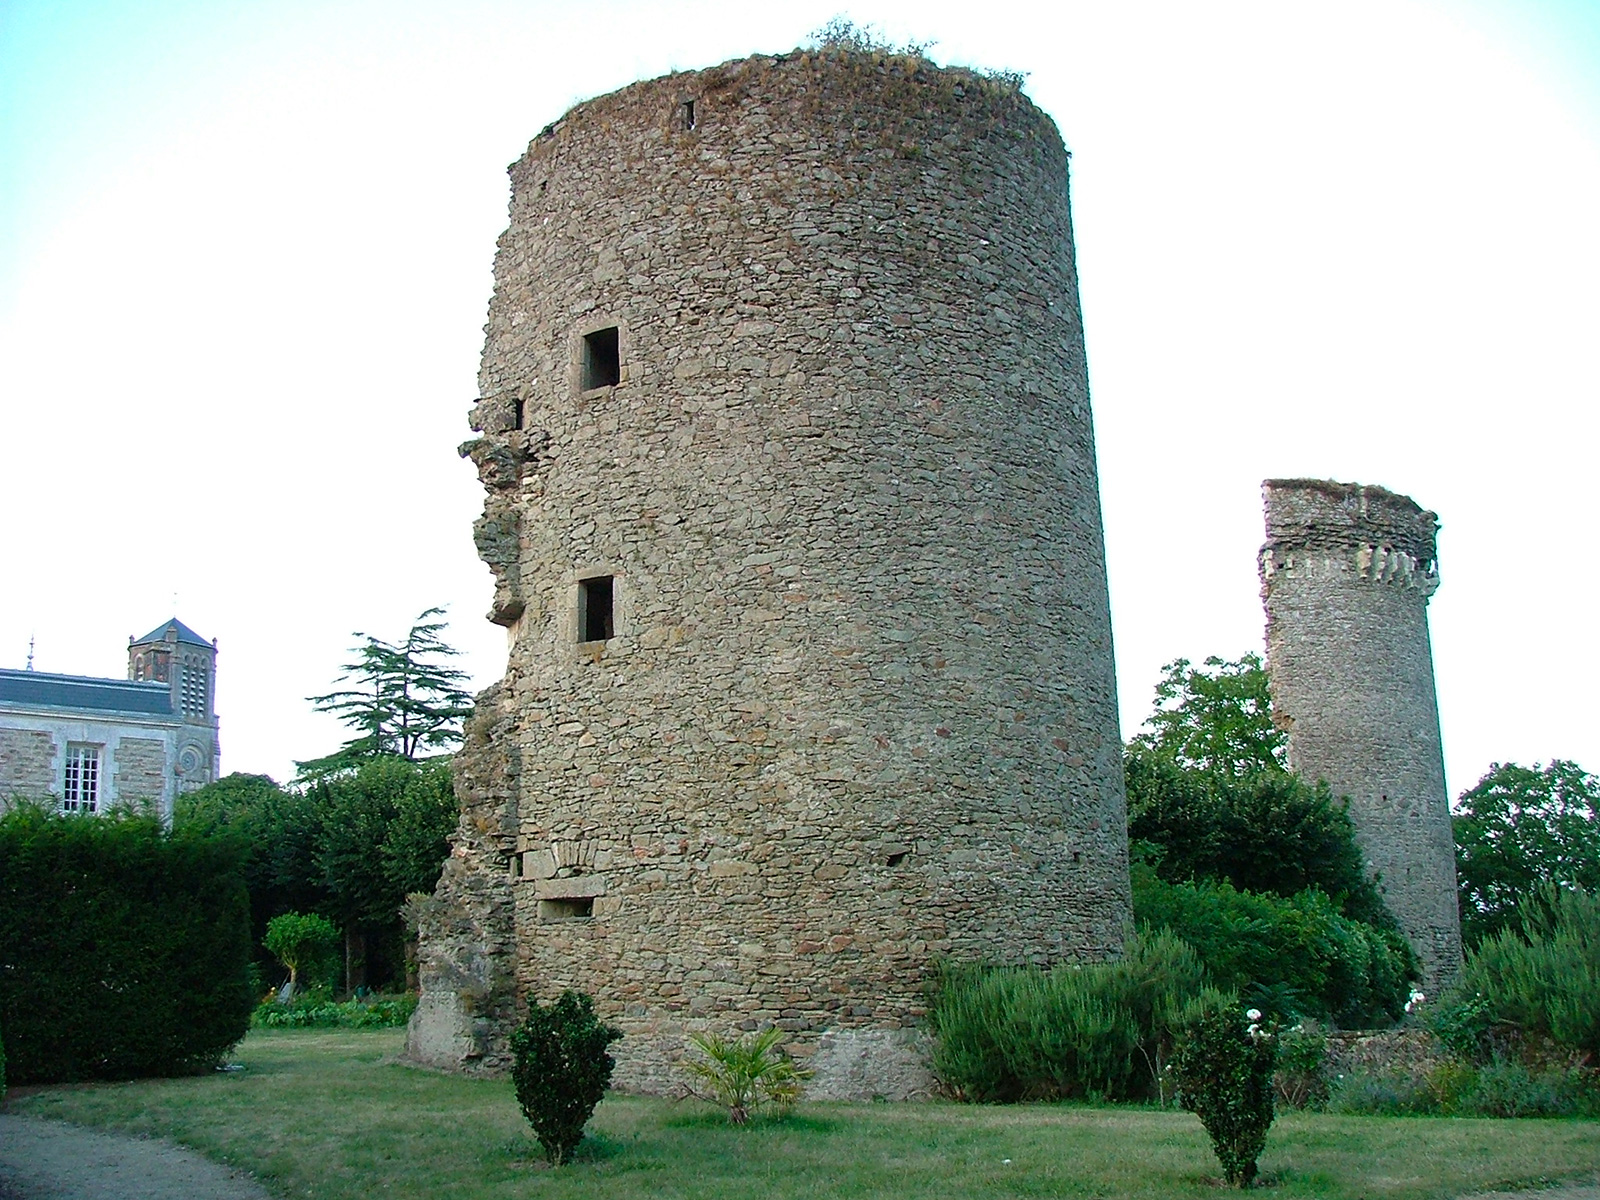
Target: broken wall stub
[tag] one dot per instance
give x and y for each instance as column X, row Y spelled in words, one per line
column 1346, row 574
column 795, row 528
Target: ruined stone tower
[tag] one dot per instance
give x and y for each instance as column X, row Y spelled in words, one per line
column 795, row 527
column 1345, row 575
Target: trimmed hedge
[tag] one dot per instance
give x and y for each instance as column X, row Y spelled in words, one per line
column 124, row 949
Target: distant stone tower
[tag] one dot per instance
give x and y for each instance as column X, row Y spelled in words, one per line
column 795, row 527
column 1345, row 575
column 176, row 655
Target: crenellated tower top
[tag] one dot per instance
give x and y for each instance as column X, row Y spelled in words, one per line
column 1319, row 526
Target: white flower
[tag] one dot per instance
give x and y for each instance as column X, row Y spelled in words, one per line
column 1253, row 1013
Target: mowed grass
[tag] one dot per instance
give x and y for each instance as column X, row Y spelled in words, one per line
column 333, row 1114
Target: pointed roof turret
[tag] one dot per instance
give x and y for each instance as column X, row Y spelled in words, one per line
column 185, row 634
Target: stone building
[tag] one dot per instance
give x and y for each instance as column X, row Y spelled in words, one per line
column 95, row 743
column 795, row 529
column 1346, row 574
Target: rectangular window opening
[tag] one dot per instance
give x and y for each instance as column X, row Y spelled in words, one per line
column 602, row 359
column 80, row 790
column 595, row 609
column 686, row 111
column 517, row 412
column 577, row 908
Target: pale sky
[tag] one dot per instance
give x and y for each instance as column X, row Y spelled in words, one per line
column 245, row 255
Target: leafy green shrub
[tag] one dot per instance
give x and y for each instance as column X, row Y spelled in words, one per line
column 1462, row 1022
column 317, row 1011
column 1367, row 1093
column 1103, row 1030
column 1508, row 1088
column 561, row 1070
column 1451, row 1084
column 1268, row 831
column 1301, row 1078
column 1224, row 1072
column 124, row 949
column 298, row 941
column 742, row 1074
column 1501, row 1087
column 1545, row 976
column 1356, row 974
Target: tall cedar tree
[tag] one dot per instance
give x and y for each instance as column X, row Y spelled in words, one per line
column 404, row 700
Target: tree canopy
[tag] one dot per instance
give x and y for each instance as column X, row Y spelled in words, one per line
column 350, row 845
column 403, row 700
column 1216, row 721
column 1210, row 797
column 1519, row 828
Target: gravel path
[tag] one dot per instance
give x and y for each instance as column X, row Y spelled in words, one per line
column 51, row 1160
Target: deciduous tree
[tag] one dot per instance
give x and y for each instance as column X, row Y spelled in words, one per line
column 1518, row 828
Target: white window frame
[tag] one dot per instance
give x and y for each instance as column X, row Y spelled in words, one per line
column 81, row 778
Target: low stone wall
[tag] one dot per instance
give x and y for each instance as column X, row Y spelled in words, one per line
column 1414, row 1053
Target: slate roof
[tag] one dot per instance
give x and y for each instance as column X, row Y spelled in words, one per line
column 38, row 689
column 185, row 634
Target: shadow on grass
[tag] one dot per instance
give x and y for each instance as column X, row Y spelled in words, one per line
column 715, row 1118
column 596, row 1149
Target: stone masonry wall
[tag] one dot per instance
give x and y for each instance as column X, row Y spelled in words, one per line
column 1346, row 574
column 858, row 709
column 26, row 763
column 141, row 771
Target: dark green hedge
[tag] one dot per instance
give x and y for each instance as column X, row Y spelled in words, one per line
column 124, row 950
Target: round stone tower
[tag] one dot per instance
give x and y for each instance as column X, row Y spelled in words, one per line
column 1345, row 575
column 795, row 527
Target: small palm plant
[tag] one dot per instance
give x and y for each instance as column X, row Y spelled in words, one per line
column 741, row 1074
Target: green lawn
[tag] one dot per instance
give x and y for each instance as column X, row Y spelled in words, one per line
column 332, row 1114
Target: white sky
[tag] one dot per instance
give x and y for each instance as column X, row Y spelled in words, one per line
column 245, row 255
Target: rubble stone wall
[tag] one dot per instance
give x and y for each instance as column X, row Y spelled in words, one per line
column 857, row 712
column 1346, row 574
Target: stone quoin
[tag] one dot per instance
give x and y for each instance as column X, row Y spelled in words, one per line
column 793, row 516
